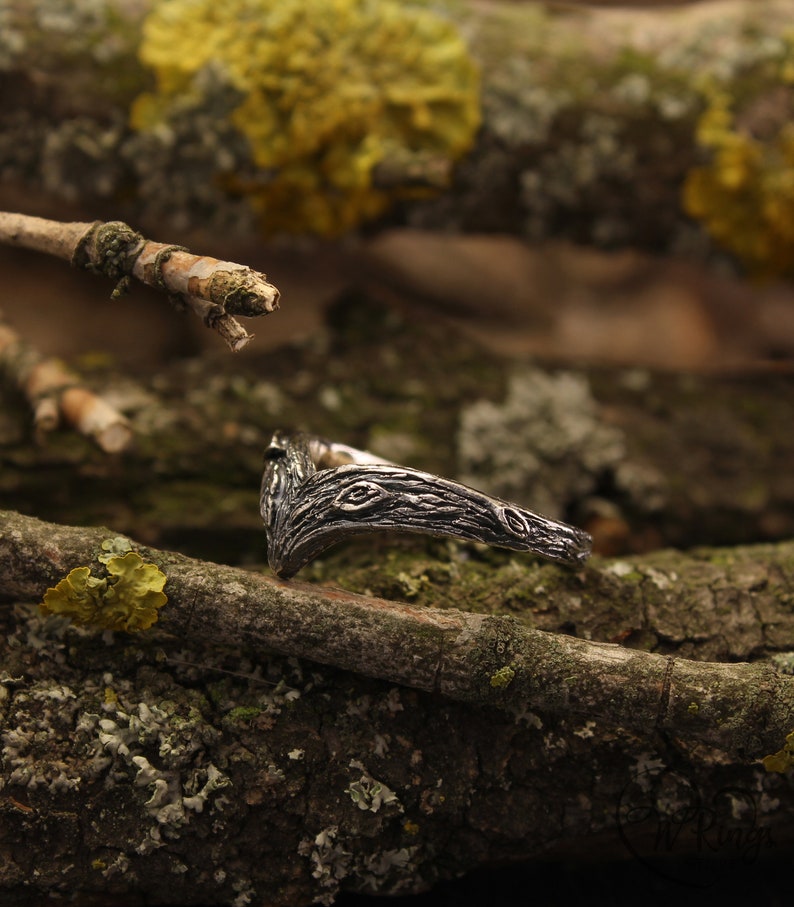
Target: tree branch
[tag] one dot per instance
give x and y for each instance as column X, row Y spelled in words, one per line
column 630, row 120
column 215, row 290
column 54, row 393
column 743, row 709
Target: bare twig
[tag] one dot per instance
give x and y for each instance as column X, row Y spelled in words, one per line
column 215, row 290
column 55, row 393
column 743, row 709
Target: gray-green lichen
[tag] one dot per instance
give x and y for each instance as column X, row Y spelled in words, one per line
column 115, row 547
column 183, row 170
column 784, row 662
column 543, row 446
column 173, row 749
column 52, row 30
column 332, row 863
column 368, row 793
column 152, row 744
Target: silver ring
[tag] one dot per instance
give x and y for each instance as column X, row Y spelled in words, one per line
column 316, row 493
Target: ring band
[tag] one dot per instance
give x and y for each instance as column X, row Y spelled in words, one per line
column 316, row 493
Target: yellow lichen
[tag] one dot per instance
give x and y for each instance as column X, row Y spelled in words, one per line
column 127, row 599
column 745, row 194
column 503, row 677
column 783, row 760
column 330, row 89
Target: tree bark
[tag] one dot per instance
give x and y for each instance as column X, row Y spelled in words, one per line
column 741, row 709
column 215, row 757
column 159, row 765
column 589, row 122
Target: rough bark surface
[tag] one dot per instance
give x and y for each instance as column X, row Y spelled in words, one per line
column 578, row 105
column 188, row 764
column 742, row 709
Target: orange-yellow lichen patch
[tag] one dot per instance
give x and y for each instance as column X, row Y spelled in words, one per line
column 329, row 90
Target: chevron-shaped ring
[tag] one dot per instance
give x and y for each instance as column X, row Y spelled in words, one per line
column 316, row 493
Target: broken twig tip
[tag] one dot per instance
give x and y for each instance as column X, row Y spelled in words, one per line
column 232, row 331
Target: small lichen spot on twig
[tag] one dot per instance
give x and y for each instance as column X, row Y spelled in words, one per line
column 503, row 677
column 368, row 793
column 783, row 760
column 127, row 599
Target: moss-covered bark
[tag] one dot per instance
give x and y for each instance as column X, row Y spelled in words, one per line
column 592, row 128
column 182, row 768
column 484, row 659
column 186, row 763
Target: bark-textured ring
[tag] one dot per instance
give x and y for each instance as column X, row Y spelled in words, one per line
column 316, row 493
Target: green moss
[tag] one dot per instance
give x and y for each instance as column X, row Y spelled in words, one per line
column 127, row 599
column 244, row 713
column 330, row 89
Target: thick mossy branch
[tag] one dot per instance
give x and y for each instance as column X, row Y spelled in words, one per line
column 743, row 709
column 575, row 105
